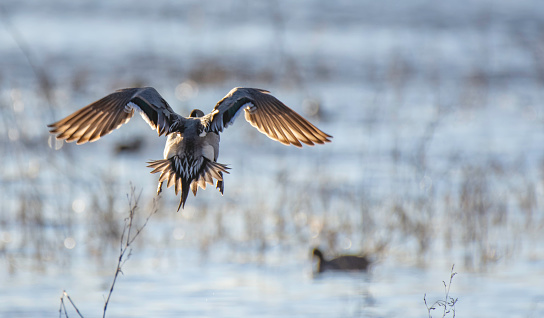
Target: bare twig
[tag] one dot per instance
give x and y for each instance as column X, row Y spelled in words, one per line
column 448, row 302
column 127, row 239
column 63, row 307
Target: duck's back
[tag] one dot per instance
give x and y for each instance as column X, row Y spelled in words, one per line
column 348, row 262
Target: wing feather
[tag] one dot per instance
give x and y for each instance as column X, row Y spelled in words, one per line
column 281, row 124
column 112, row 111
column 266, row 113
column 296, row 133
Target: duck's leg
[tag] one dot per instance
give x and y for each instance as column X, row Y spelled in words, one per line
column 220, row 184
column 159, row 188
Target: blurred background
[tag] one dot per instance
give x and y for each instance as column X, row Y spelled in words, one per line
column 437, row 158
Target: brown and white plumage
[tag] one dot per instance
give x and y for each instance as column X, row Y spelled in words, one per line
column 192, row 148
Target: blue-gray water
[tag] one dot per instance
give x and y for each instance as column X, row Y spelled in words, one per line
column 437, row 158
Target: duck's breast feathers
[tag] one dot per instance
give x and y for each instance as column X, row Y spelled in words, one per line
column 110, row 112
column 266, row 113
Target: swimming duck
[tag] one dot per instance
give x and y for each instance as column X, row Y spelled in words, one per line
column 341, row 263
column 192, row 145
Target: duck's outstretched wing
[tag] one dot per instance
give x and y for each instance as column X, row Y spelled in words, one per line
column 266, row 113
column 109, row 113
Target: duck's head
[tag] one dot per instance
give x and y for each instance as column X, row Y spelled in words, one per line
column 196, row 113
column 317, row 253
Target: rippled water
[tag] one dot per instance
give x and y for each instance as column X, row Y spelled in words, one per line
column 421, row 98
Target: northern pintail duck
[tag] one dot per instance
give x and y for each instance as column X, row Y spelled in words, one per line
column 341, row 263
column 192, row 147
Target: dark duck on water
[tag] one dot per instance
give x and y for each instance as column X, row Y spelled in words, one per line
column 340, row 263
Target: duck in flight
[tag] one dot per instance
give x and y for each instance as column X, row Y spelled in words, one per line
column 192, row 147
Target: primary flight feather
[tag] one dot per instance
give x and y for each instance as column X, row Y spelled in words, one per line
column 192, row 147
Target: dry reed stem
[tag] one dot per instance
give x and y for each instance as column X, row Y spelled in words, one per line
column 127, row 240
column 448, row 303
column 63, row 307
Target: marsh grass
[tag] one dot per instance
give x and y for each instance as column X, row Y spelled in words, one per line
column 480, row 209
column 447, row 303
column 128, row 235
column 62, row 308
column 468, row 206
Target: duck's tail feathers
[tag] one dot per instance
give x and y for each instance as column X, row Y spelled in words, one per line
column 210, row 170
column 185, row 173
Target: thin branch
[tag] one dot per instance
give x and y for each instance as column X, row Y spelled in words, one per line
column 127, row 240
column 448, row 303
column 63, row 307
